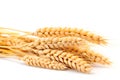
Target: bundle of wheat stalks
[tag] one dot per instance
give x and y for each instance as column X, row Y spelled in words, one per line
column 53, row 48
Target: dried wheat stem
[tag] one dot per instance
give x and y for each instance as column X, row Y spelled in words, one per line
column 10, row 41
column 56, row 42
column 8, row 33
column 6, row 52
column 43, row 62
column 24, row 38
column 11, row 29
column 61, row 32
column 67, row 58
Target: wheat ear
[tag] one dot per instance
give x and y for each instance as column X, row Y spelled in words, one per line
column 96, row 57
column 56, row 42
column 43, row 62
column 61, row 32
column 88, row 55
column 32, row 60
column 69, row 59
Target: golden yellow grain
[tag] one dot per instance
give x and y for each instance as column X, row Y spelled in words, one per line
column 88, row 55
column 96, row 57
column 43, row 62
column 56, row 42
column 69, row 59
column 61, row 32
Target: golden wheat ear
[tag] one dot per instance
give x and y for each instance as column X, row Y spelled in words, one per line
column 72, row 61
column 96, row 57
column 56, row 42
column 32, row 60
column 61, row 32
column 43, row 62
column 88, row 54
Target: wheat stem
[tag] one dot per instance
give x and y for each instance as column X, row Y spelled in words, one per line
column 3, row 28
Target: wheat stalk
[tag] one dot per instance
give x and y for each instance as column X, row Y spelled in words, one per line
column 10, row 41
column 69, row 59
column 43, row 62
column 61, row 32
column 6, row 52
column 25, row 38
column 12, row 31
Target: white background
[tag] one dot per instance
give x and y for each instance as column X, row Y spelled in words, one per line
column 99, row 16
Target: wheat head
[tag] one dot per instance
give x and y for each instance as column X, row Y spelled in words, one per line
column 69, row 59
column 43, row 62
column 61, row 32
column 56, row 42
column 89, row 55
